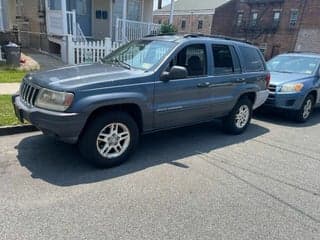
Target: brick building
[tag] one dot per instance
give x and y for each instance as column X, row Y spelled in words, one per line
column 189, row 16
column 275, row 26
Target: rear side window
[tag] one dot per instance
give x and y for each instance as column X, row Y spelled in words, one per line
column 252, row 59
column 226, row 60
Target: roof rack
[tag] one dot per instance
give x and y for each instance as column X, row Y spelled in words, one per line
column 306, row 52
column 195, row 35
column 161, row 34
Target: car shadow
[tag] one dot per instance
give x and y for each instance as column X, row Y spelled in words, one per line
column 284, row 119
column 62, row 165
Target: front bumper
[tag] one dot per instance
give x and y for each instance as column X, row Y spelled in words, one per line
column 64, row 126
column 289, row 101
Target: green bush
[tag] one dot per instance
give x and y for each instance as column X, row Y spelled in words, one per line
column 168, row 28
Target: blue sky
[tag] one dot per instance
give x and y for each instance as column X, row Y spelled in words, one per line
column 164, row 2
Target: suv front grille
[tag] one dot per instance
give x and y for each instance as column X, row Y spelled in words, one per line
column 28, row 93
column 272, row 88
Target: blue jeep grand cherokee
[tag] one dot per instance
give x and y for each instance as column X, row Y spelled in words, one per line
column 295, row 84
column 155, row 83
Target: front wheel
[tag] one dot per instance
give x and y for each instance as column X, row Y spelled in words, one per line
column 239, row 118
column 109, row 139
column 305, row 112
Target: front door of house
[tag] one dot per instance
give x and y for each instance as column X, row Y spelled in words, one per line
column 83, row 12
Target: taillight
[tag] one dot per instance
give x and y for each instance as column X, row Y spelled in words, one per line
column 268, row 78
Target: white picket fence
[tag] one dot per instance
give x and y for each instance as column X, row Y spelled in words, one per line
column 80, row 52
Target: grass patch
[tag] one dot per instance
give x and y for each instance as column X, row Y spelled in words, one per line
column 8, row 75
column 7, row 116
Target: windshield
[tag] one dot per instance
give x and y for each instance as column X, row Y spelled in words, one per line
column 293, row 64
column 142, row 54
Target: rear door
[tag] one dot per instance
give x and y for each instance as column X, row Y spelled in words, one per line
column 226, row 76
column 183, row 101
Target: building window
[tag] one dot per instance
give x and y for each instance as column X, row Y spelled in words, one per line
column 239, row 19
column 276, row 18
column 254, row 19
column 200, row 24
column 41, row 5
column 293, row 17
column 183, row 24
column 19, row 8
column 160, row 21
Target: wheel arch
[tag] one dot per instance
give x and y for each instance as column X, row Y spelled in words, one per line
column 132, row 109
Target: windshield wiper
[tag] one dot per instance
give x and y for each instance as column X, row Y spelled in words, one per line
column 123, row 64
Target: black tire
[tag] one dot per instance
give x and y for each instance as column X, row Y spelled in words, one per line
column 299, row 116
column 230, row 122
column 88, row 143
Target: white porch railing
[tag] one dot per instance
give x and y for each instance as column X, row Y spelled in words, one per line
column 127, row 30
column 80, row 52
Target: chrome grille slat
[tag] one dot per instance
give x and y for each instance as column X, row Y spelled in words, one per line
column 29, row 93
column 272, row 88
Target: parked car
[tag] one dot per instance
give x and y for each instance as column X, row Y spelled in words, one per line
column 156, row 83
column 295, row 84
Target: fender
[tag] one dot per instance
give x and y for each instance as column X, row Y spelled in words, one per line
column 90, row 103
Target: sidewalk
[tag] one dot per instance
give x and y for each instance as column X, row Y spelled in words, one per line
column 45, row 61
column 9, row 88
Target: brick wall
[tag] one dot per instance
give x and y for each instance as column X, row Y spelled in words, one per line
column 275, row 39
column 309, row 33
column 191, row 22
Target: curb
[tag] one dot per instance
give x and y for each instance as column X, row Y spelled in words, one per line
column 10, row 130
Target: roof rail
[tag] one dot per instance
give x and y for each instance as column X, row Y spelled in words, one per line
column 306, row 52
column 195, row 35
column 160, row 34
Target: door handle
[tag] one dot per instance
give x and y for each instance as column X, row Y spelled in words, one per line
column 203, row 85
column 240, row 80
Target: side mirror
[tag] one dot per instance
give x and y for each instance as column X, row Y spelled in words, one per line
column 176, row 72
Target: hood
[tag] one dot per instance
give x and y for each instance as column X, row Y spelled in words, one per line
column 278, row 78
column 73, row 77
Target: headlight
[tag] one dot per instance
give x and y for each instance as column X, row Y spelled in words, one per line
column 292, row 87
column 53, row 100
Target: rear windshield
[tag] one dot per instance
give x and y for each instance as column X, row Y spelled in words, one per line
column 253, row 61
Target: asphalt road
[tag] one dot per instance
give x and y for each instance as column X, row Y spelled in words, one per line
column 189, row 183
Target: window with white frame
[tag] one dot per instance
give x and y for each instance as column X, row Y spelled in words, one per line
column 239, row 19
column 254, row 19
column 293, row 17
column 183, row 24
column 19, row 8
column 134, row 9
column 200, row 24
column 276, row 17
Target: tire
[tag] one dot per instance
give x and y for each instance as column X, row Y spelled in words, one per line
column 102, row 139
column 305, row 112
column 234, row 126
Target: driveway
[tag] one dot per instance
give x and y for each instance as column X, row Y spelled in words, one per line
column 189, row 183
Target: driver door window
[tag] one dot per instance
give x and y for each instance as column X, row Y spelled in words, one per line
column 193, row 58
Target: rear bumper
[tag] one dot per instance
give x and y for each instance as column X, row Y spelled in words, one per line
column 64, row 126
column 261, row 97
column 289, row 101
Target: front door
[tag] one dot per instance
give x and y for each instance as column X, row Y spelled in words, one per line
column 187, row 100
column 83, row 14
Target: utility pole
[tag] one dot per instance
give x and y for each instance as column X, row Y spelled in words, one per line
column 171, row 12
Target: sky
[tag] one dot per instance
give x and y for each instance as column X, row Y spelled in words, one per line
column 164, row 2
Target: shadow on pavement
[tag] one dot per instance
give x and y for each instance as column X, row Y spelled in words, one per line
column 284, row 119
column 61, row 164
